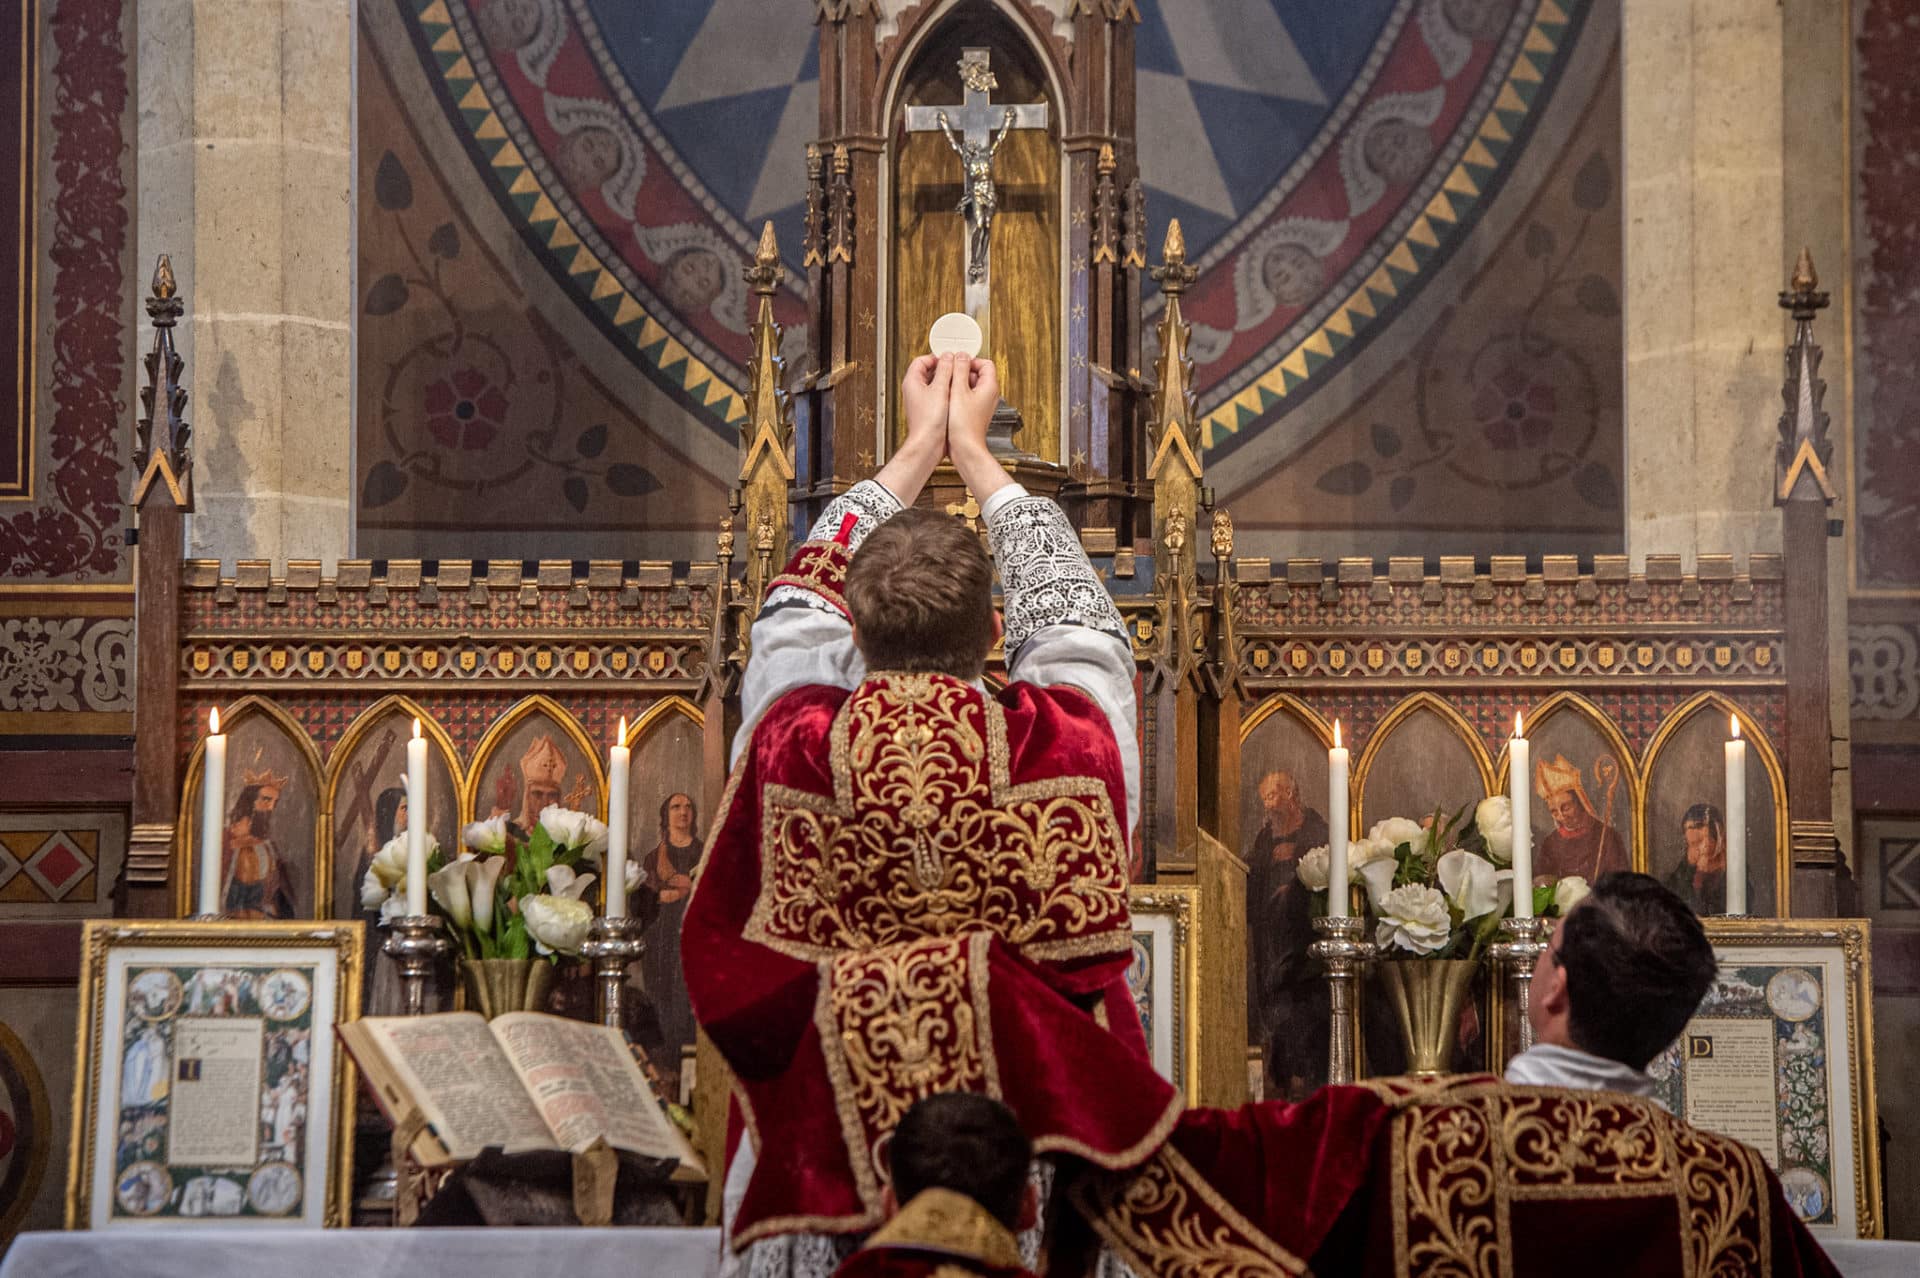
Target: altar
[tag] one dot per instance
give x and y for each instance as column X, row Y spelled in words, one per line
column 310, row 730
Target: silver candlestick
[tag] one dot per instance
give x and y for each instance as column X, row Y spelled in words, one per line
column 414, row 941
column 612, row 945
column 1342, row 952
column 1525, row 941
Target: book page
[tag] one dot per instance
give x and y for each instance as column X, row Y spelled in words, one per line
column 586, row 1084
column 453, row 1069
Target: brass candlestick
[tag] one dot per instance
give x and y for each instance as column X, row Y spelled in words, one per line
column 611, row 945
column 1526, row 940
column 414, row 941
column 1342, row 952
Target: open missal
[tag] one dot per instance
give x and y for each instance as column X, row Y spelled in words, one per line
column 522, row 1081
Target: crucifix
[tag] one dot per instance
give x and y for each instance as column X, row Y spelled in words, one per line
column 975, row 129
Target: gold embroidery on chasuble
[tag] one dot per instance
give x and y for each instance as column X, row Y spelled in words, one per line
column 1461, row 1162
column 899, row 1024
column 925, row 834
column 1165, row 1218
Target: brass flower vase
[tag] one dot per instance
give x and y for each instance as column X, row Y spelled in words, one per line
column 498, row 986
column 1428, row 996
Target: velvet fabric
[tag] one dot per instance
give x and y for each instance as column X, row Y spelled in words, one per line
column 911, row 888
column 1468, row 1176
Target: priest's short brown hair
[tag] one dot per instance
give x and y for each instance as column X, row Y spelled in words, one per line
column 920, row 589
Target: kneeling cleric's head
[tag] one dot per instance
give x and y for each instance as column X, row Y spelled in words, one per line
column 1624, row 973
column 920, row 589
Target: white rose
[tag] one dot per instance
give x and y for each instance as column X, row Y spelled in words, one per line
column 571, row 829
column 556, row 923
column 1493, row 817
column 1397, row 830
column 562, row 881
column 488, row 837
column 1471, row 883
column 1414, row 918
column 1365, row 852
column 635, row 875
column 1314, row 869
column 452, row 887
column 1569, row 892
column 393, row 907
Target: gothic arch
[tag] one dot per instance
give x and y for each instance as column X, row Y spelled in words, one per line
column 1763, row 749
column 186, row 837
column 503, row 727
column 1574, row 704
column 1383, row 732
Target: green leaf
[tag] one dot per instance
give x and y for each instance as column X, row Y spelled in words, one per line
column 1543, row 906
column 514, row 942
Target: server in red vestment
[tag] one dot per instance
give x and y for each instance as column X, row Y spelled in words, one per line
column 1570, row 1167
column 915, row 885
column 960, row 1196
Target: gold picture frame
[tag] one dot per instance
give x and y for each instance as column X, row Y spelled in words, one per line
column 1165, row 979
column 1763, row 1061
column 257, row 1003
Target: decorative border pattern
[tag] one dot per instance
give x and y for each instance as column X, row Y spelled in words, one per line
column 76, row 535
column 587, row 266
column 1432, row 234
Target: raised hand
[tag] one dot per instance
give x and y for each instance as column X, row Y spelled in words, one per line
column 974, row 395
column 924, row 402
column 924, row 398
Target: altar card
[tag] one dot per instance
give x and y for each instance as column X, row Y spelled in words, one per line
column 1780, row 1057
column 211, row 1085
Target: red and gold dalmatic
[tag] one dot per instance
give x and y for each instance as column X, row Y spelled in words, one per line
column 913, row 888
column 1469, row 1177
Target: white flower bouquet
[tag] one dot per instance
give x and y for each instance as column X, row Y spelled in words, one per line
column 1438, row 888
column 502, row 901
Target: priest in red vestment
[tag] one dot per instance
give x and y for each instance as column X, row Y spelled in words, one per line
column 914, row 885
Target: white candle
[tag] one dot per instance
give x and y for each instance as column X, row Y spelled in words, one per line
column 213, row 799
column 1519, row 794
column 1338, row 807
column 417, row 823
column 1736, row 821
column 619, row 759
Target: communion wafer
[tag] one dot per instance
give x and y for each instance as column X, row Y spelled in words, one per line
column 957, row 333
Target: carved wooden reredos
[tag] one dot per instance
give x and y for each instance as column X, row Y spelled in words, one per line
column 1243, row 661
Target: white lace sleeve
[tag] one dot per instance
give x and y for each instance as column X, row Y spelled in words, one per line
column 1062, row 626
column 1045, row 577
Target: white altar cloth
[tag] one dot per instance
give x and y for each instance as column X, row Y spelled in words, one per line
column 193, row 1252
column 189, row 1252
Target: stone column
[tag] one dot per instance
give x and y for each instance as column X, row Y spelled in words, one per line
column 246, row 178
column 1707, row 246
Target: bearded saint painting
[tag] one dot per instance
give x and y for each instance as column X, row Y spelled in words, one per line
column 253, row 874
column 1585, row 841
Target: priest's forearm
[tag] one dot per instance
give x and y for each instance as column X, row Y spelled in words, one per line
column 905, row 473
column 980, row 470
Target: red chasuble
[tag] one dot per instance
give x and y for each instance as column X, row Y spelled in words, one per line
column 916, row 888
column 1467, row 1176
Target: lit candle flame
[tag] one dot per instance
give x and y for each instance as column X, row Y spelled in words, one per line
column 1336, row 734
column 1735, row 720
column 213, row 721
column 623, row 730
column 416, row 727
column 1519, row 729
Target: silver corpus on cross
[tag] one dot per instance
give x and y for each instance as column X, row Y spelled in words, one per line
column 975, row 129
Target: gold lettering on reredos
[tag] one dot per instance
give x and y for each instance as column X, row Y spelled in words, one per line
column 1699, row 1047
